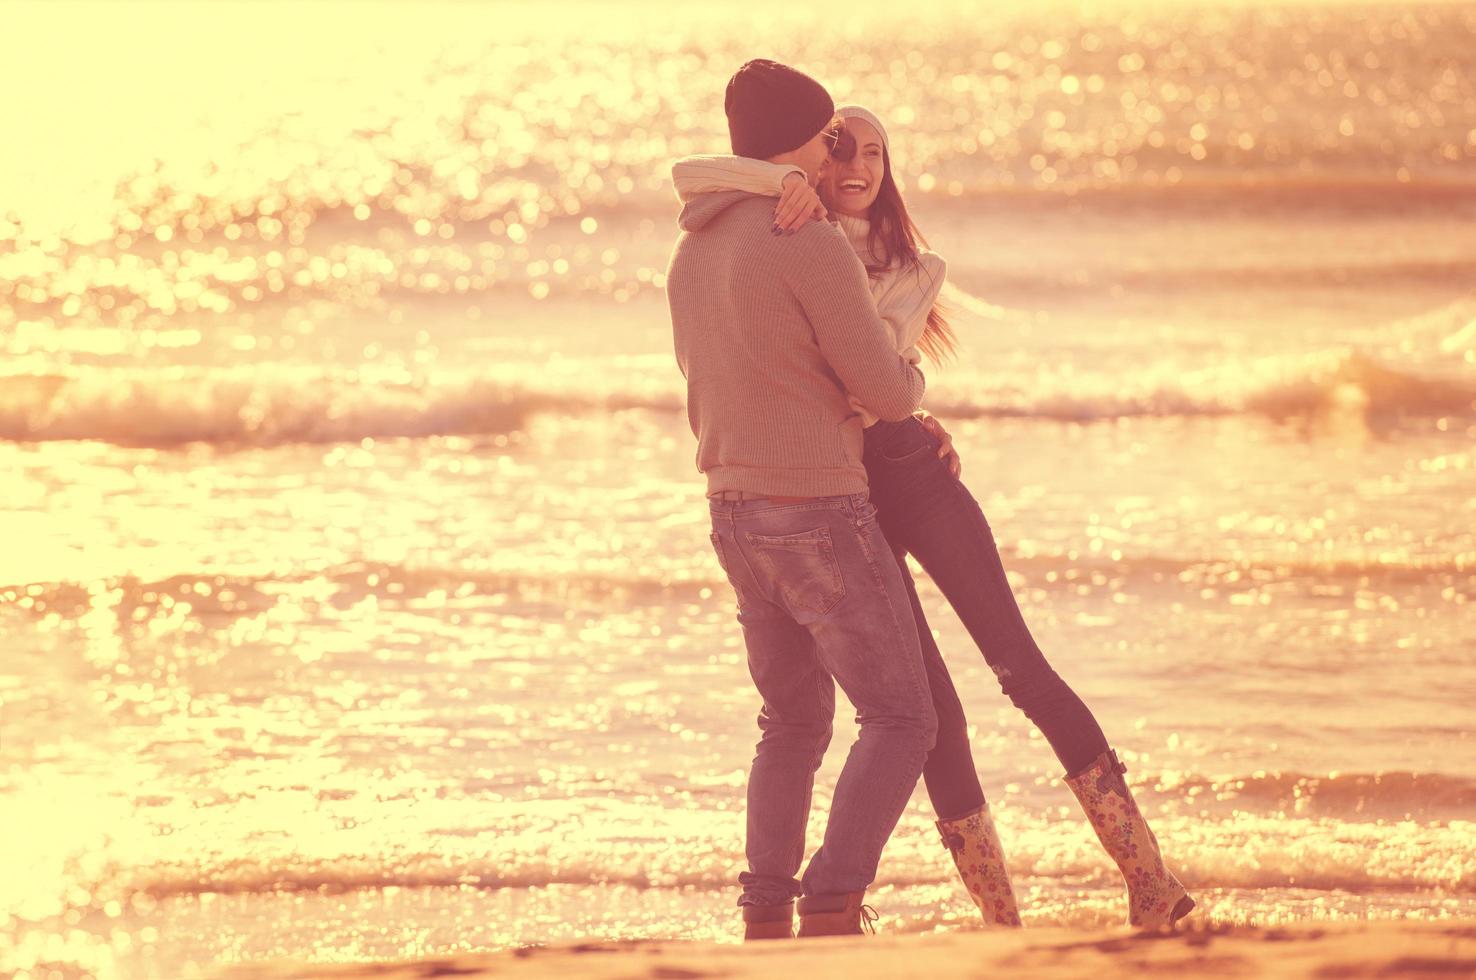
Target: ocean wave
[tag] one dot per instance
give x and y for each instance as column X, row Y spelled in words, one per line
column 1285, row 387
column 1249, row 188
column 240, row 593
column 1334, row 858
column 511, row 828
column 645, row 846
column 1274, row 273
column 264, row 409
column 275, row 406
column 1395, row 794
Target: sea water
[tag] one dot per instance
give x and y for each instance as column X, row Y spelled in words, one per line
column 355, row 594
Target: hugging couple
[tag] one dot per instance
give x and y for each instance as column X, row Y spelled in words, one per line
column 801, row 339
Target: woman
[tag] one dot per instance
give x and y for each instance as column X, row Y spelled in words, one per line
column 925, row 511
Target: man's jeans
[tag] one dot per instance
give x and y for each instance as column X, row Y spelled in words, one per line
column 820, row 597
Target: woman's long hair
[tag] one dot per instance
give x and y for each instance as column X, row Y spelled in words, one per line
column 894, row 239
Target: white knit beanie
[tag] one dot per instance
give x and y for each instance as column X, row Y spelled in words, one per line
column 852, row 111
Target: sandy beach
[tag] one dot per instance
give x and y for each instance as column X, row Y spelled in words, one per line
column 1382, row 949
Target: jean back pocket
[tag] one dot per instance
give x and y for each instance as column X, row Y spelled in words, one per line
column 903, row 442
column 802, row 567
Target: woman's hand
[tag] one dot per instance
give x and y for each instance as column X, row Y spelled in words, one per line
column 797, row 204
column 945, row 450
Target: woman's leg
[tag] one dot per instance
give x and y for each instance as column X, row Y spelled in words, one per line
column 964, row 821
column 925, row 511
column 953, row 785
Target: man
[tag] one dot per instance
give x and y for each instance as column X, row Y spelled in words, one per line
column 772, row 333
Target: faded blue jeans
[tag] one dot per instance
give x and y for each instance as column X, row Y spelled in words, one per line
column 822, row 602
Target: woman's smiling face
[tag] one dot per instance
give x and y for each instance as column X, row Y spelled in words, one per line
column 850, row 186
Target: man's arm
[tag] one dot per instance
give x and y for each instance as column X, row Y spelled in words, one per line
column 706, row 174
column 831, row 285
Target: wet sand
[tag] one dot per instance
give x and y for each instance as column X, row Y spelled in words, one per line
column 1340, row 950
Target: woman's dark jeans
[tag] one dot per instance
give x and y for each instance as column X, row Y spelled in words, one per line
column 928, row 513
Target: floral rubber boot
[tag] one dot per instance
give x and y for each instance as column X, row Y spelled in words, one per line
column 977, row 854
column 1155, row 897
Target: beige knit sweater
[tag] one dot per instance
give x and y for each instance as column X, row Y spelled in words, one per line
column 904, row 293
column 772, row 333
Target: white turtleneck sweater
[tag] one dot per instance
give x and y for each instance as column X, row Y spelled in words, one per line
column 904, row 295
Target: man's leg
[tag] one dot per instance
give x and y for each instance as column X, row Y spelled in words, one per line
column 794, row 724
column 834, row 573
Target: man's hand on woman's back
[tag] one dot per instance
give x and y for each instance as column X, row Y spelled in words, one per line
column 946, row 451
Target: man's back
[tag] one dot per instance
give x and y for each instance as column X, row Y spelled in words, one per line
column 771, row 332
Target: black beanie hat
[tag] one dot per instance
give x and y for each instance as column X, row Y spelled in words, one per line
column 773, row 109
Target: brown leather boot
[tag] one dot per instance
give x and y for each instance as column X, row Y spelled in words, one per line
column 835, row 915
column 977, row 854
column 768, row 921
column 1155, row 897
